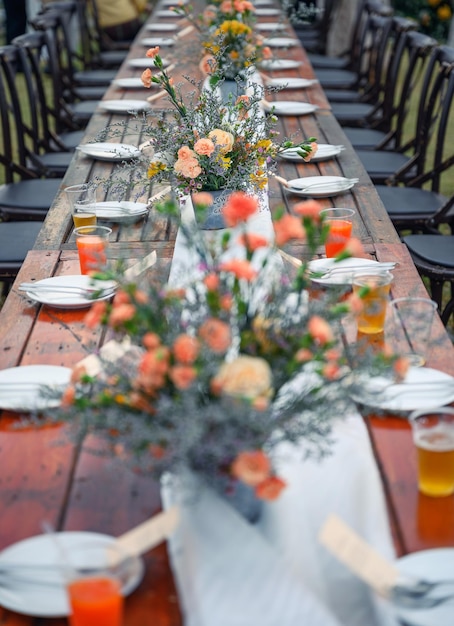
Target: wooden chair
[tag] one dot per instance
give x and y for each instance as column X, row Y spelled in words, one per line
column 408, row 163
column 24, row 195
column 405, row 74
column 16, row 239
column 314, row 36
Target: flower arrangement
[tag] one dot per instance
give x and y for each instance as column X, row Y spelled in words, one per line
column 433, row 16
column 213, row 145
column 222, row 370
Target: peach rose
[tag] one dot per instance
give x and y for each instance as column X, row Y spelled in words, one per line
column 266, row 52
column 216, row 335
column 146, row 78
column 310, row 209
column 354, row 248
column 223, row 139
column 204, row 147
column 151, row 53
column 189, row 168
column 245, row 377
column 185, row 152
column 186, row 349
column 121, row 314
column 208, row 64
column 288, row 227
column 155, row 362
column 251, row 467
column 95, row 315
column 241, row 268
column 312, row 153
column 253, row 242
column 303, row 355
column 151, row 341
column 270, row 488
column 211, row 282
column 239, row 207
column 68, row 397
column 182, row 376
column 202, row 198
column 320, row 330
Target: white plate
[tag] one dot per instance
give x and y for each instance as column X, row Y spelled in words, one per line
column 435, row 564
column 42, row 601
column 339, row 277
column 279, row 64
column 124, row 106
column 270, row 26
column 291, row 83
column 325, row 151
column 120, row 212
column 265, row 12
column 157, row 41
column 109, row 151
column 320, row 192
column 168, row 13
column 132, row 82
column 280, row 42
column 381, row 395
column 27, row 392
column 61, row 299
column 163, row 28
column 289, row 107
column 144, row 62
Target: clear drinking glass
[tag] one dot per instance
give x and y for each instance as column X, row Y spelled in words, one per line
column 82, row 200
column 91, row 244
column 412, row 327
column 340, row 222
column 373, row 288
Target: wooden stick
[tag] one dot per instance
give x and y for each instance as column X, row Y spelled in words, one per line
column 184, row 32
column 156, row 96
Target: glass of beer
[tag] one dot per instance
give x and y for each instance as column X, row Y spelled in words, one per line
column 340, row 222
column 82, row 202
column 433, row 435
column 373, row 289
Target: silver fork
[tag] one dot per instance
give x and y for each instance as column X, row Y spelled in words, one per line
column 415, row 594
column 335, row 184
column 37, row 287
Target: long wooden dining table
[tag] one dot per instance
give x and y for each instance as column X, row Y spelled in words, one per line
column 44, row 476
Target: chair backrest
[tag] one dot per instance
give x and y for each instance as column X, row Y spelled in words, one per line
column 14, row 151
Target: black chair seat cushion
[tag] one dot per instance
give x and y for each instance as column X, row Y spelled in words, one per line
column 91, row 92
column 16, row 239
column 343, row 95
column 336, row 79
column 353, row 112
column 56, row 161
column 320, row 61
column 382, row 164
column 437, row 249
column 112, row 58
column 408, row 201
column 36, row 194
column 364, row 138
column 72, row 139
column 95, row 77
column 83, row 110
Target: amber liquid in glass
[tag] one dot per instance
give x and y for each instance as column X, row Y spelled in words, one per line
column 436, row 462
column 84, row 219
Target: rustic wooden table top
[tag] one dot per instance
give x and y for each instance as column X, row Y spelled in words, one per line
column 45, row 476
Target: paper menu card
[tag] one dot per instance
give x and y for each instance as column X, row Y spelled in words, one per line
column 357, row 555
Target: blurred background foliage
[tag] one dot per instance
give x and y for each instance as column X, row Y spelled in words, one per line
column 433, row 16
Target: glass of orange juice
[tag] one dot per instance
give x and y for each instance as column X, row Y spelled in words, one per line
column 373, row 289
column 91, row 244
column 340, row 222
column 82, row 201
column 95, row 585
column 433, row 435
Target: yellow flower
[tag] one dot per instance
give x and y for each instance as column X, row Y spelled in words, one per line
column 444, row 13
column 433, row 3
column 155, row 167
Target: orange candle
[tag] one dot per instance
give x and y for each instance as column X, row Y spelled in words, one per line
column 339, row 233
column 95, row 601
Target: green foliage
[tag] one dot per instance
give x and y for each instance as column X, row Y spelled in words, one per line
column 433, row 16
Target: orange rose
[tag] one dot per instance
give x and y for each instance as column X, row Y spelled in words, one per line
column 253, row 242
column 239, row 207
column 242, row 269
column 354, row 248
column 146, row 78
column 309, row 208
column 182, row 376
column 186, row 349
column 320, row 330
column 204, row 147
column 151, row 53
column 270, row 488
column 216, row 335
column 151, row 341
column 211, row 282
column 251, row 467
column 288, row 227
column 95, row 315
column 121, row 314
column 208, row 64
column 202, row 198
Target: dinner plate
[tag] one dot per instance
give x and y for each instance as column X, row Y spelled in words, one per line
column 157, row 41
column 280, row 42
column 325, row 151
column 124, row 106
column 435, row 564
column 168, row 13
column 51, row 601
column 289, row 107
column 61, row 299
column 380, row 394
column 120, row 212
column 339, row 277
column 132, row 82
column 144, row 62
column 24, row 388
column 335, row 185
column 109, row 151
column 163, row 28
column 265, row 11
column 279, row 64
column 270, row 26
column 291, row 83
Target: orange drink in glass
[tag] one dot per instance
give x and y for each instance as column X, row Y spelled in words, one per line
column 433, row 435
column 373, row 289
column 95, row 601
column 91, row 244
column 340, row 229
